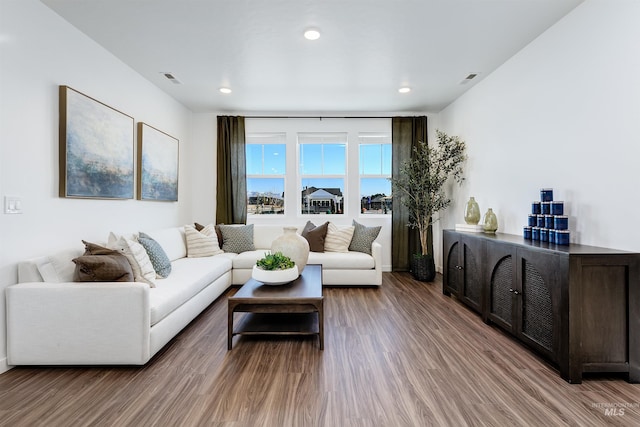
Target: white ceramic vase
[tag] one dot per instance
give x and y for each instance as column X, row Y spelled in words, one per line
column 292, row 245
column 274, row 277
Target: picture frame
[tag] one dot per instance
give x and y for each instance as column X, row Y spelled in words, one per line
column 96, row 148
column 158, row 164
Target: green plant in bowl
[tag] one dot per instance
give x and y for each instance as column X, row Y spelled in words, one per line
column 276, row 261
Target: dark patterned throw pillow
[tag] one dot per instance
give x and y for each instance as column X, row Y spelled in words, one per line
column 237, row 238
column 363, row 237
column 157, row 255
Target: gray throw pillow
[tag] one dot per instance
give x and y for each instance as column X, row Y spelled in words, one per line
column 237, row 238
column 159, row 259
column 363, row 237
column 315, row 236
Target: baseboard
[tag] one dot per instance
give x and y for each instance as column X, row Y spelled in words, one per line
column 386, row 268
column 3, row 365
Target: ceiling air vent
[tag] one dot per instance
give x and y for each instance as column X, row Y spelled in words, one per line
column 172, row 78
column 470, row 77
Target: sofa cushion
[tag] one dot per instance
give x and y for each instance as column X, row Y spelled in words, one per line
column 201, row 243
column 315, row 235
column 188, row 277
column 363, row 237
column 237, row 238
column 136, row 255
column 172, row 241
column 342, row 261
column 247, row 259
column 338, row 239
column 157, row 255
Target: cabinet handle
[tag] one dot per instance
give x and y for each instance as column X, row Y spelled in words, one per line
column 459, row 267
column 516, row 292
column 511, row 290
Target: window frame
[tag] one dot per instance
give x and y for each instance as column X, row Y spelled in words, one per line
column 362, row 140
column 344, row 177
column 283, row 176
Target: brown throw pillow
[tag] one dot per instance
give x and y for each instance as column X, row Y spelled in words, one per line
column 219, row 234
column 100, row 264
column 198, row 227
column 102, row 268
column 315, row 236
column 93, row 249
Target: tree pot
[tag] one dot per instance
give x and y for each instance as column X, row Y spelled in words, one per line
column 423, row 268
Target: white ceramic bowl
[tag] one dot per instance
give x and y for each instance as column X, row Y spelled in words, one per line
column 275, row 277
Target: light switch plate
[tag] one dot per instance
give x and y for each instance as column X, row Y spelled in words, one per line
column 12, row 205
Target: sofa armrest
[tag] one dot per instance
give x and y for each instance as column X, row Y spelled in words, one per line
column 77, row 323
column 376, row 253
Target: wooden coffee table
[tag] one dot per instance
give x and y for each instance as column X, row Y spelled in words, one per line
column 295, row 308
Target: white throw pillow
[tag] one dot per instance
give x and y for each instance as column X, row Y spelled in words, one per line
column 338, row 239
column 58, row 267
column 201, row 243
column 137, row 256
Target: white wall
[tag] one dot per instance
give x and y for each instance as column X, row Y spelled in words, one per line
column 38, row 52
column 562, row 113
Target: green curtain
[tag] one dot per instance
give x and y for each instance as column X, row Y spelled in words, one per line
column 405, row 241
column 231, row 196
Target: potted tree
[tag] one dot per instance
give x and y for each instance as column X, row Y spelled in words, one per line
column 421, row 189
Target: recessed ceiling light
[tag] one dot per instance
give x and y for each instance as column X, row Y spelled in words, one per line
column 225, row 90
column 312, row 34
column 404, row 89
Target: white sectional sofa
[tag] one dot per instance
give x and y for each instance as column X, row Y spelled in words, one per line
column 52, row 320
column 338, row 269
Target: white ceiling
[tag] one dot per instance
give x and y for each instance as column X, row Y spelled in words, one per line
column 368, row 48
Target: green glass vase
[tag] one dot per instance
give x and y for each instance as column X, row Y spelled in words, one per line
column 490, row 223
column 472, row 212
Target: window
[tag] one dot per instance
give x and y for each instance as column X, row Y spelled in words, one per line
column 322, row 172
column 375, row 171
column 308, row 167
column 266, row 168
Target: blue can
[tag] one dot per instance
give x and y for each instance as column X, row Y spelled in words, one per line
column 561, row 222
column 546, row 194
column 548, row 221
column 527, row 233
column 533, row 220
column 535, row 233
column 562, row 237
column 545, row 207
column 540, row 221
column 552, row 236
column 544, row 234
column 557, row 208
column 535, row 208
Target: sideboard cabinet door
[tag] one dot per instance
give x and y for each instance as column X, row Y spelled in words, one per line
column 501, row 302
column 542, row 283
column 463, row 269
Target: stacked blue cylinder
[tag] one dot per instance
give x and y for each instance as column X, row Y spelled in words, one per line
column 547, row 221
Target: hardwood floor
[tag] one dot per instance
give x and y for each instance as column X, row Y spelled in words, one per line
column 401, row 355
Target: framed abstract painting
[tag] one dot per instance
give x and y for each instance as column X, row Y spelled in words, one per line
column 157, row 164
column 96, row 145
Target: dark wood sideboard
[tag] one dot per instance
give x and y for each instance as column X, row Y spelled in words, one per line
column 578, row 306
